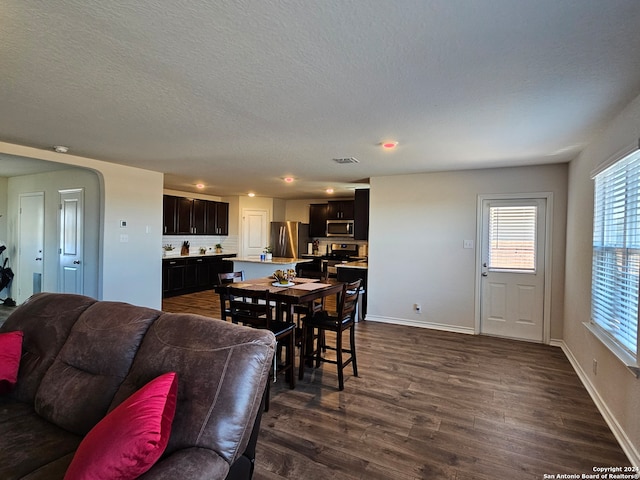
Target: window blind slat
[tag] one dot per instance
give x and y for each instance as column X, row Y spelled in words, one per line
column 616, row 251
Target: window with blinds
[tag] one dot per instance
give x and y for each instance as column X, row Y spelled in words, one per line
column 616, row 251
column 512, row 238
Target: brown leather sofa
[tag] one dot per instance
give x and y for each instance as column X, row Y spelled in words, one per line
column 82, row 357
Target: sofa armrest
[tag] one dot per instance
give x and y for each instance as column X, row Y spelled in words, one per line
column 192, row 463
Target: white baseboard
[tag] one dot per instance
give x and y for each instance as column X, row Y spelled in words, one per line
column 414, row 323
column 618, row 432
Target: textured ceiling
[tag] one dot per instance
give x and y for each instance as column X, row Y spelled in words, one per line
column 240, row 94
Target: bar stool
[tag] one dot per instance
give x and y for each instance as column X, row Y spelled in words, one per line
column 259, row 314
column 338, row 322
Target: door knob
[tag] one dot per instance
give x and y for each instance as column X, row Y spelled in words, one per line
column 76, row 262
column 484, row 274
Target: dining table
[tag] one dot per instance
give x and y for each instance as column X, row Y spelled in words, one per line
column 298, row 291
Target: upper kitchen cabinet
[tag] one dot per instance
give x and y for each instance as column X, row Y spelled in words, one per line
column 217, row 218
column 169, row 209
column 361, row 215
column 188, row 216
column 318, row 219
column 340, row 210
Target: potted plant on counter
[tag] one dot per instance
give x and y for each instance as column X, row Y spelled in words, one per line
column 268, row 252
column 218, row 248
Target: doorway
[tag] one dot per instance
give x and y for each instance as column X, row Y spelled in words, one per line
column 30, row 245
column 255, row 232
column 513, row 285
column 71, row 251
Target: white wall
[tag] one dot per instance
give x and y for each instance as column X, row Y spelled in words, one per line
column 4, row 185
column 50, row 183
column 131, row 271
column 416, row 230
column 615, row 389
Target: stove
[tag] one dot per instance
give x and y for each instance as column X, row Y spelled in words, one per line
column 343, row 251
column 340, row 252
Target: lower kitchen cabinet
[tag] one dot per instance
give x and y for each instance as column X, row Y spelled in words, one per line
column 182, row 275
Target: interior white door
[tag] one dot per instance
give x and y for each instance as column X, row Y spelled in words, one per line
column 71, row 261
column 513, row 262
column 255, row 231
column 30, row 246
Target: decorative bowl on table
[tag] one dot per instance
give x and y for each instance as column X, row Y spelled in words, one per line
column 284, row 277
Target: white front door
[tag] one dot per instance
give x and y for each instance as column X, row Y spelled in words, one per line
column 30, row 246
column 512, row 268
column 255, row 232
column 71, row 266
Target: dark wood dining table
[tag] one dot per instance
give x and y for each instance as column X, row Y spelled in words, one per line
column 302, row 291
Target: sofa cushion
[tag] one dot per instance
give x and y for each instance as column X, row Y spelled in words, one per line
column 46, row 320
column 131, row 438
column 10, row 353
column 76, row 391
column 29, row 443
column 223, row 370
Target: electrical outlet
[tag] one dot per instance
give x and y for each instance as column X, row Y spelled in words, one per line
column 417, row 308
column 595, row 366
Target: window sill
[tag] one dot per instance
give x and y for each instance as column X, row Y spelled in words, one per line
column 621, row 354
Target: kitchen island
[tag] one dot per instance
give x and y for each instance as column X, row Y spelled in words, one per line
column 253, row 267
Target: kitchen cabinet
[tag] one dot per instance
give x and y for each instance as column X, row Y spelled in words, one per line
column 217, row 218
column 182, row 275
column 340, row 210
column 169, row 209
column 361, row 215
column 318, row 220
column 189, row 216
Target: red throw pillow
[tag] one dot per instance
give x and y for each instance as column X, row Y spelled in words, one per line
column 131, row 438
column 10, row 353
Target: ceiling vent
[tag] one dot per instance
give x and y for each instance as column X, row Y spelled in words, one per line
column 343, row 161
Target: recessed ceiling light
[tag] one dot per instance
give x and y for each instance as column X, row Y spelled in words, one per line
column 200, row 185
column 251, row 194
column 389, row 145
column 60, row 149
column 288, row 179
column 329, row 190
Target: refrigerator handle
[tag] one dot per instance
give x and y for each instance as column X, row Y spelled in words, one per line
column 281, row 241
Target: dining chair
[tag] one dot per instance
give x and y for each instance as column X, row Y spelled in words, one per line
column 314, row 346
column 255, row 310
column 225, row 298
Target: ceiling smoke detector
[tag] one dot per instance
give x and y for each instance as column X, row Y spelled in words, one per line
column 61, row 149
column 343, row 161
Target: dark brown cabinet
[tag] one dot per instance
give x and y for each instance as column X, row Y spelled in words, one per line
column 188, row 216
column 217, row 218
column 340, row 210
column 318, row 219
column 192, row 274
column 361, row 215
column 169, row 210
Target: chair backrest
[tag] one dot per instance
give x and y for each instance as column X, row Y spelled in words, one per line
column 348, row 301
column 230, row 277
column 250, row 307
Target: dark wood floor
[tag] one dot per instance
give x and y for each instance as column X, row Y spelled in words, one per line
column 431, row 405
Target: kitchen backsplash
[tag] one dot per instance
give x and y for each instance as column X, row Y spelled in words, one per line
column 229, row 243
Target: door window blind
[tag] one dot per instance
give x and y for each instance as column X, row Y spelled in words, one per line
column 616, row 251
column 512, row 237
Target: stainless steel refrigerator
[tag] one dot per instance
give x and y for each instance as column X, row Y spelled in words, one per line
column 289, row 239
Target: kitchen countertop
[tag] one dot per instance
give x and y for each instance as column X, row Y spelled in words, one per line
column 361, row 265
column 196, row 255
column 274, row 261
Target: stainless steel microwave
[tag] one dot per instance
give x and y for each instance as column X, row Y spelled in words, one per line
column 339, row 228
